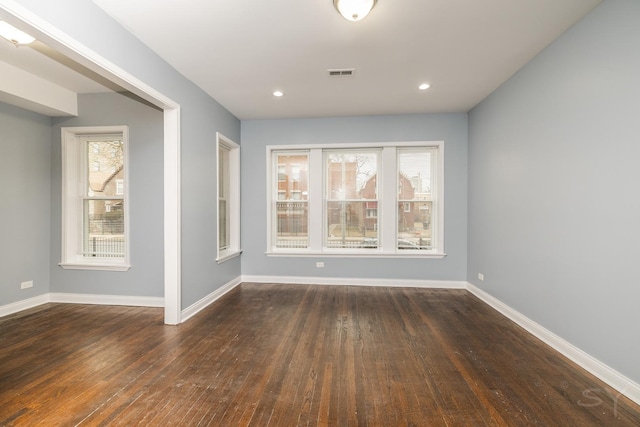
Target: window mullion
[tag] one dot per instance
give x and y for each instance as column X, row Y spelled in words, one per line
column 437, row 177
column 387, row 196
column 317, row 219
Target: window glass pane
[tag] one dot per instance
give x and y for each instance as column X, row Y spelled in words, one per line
column 223, row 175
column 351, row 199
column 291, row 204
column 105, row 161
column 223, row 229
column 292, row 220
column 351, row 175
column 349, row 227
column 223, row 192
column 415, row 199
column 104, row 228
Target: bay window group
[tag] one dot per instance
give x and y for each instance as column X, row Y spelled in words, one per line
column 359, row 199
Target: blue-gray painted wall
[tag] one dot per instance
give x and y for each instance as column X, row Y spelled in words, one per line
column 257, row 134
column 24, row 203
column 201, row 118
column 145, row 200
column 554, row 206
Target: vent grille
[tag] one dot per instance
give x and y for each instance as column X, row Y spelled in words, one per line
column 341, row 72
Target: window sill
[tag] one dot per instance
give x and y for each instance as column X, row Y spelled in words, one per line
column 94, row 266
column 407, row 254
column 225, row 256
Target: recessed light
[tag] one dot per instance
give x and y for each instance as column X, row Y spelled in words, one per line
column 278, row 93
column 14, row 35
column 424, row 86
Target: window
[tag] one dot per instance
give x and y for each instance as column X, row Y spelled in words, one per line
column 290, row 208
column 415, row 213
column 360, row 199
column 351, row 184
column 228, row 210
column 95, row 224
column 223, row 195
column 119, row 187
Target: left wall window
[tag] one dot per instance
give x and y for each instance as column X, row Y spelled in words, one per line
column 95, row 226
column 228, row 169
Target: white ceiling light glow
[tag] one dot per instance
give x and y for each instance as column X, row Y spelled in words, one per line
column 424, row 86
column 14, row 35
column 354, row 10
column 278, row 93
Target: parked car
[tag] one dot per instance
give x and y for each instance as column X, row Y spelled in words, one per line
column 372, row 242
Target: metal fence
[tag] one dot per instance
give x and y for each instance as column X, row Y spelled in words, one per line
column 104, row 246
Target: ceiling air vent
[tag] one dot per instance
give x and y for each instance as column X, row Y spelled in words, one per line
column 341, row 72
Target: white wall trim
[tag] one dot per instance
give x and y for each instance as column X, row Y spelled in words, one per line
column 24, row 304
column 625, row 385
column 67, row 298
column 172, row 218
column 135, row 301
column 200, row 305
column 396, row 283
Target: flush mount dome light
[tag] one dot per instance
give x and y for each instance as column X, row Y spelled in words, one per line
column 278, row 93
column 354, row 10
column 14, row 35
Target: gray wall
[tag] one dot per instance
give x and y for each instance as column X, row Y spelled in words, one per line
column 24, row 203
column 201, row 117
column 554, row 212
column 257, row 134
column 145, row 204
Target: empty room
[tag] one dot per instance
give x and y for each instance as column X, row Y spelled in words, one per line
column 319, row 213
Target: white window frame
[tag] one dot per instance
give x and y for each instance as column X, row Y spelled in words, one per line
column 233, row 199
column 387, row 209
column 119, row 187
column 276, row 195
column 74, row 178
column 326, row 152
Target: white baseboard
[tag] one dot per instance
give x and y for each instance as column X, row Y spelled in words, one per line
column 198, row 306
column 615, row 379
column 106, row 299
column 25, row 304
column 17, row 306
column 396, row 283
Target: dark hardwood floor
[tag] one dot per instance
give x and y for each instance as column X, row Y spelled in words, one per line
column 295, row 355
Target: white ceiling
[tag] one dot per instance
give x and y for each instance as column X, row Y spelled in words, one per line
column 240, row 51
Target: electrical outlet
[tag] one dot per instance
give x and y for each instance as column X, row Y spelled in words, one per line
column 481, row 277
column 319, row 264
column 25, row 285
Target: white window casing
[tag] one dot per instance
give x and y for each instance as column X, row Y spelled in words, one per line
column 227, row 199
column 82, row 246
column 421, row 208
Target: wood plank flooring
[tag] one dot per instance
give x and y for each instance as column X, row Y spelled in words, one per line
column 295, row 355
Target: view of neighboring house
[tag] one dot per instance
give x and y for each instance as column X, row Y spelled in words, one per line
column 351, row 200
column 104, row 204
column 293, row 196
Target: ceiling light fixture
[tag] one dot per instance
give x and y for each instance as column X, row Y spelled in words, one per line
column 278, row 93
column 14, row 35
column 424, row 86
column 354, row 10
